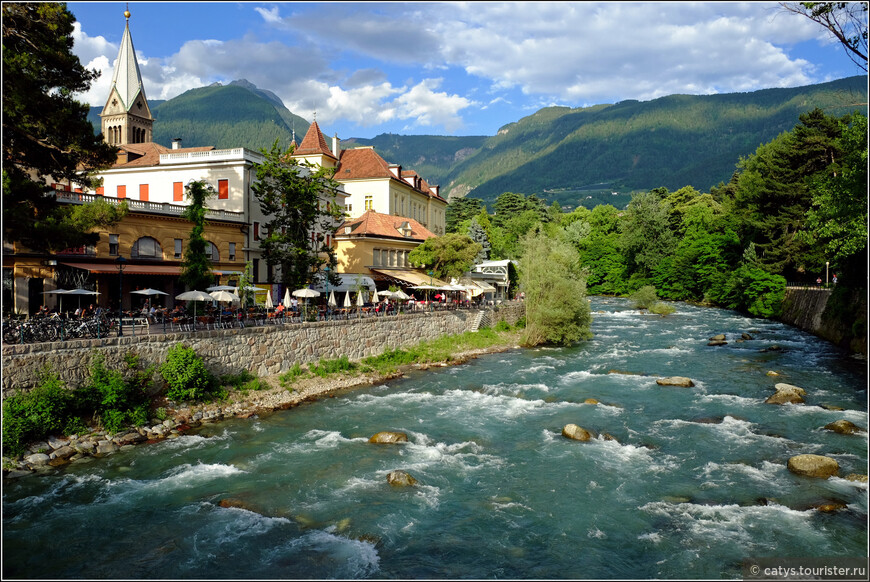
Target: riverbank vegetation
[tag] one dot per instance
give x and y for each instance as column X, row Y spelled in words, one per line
column 114, row 400
column 795, row 210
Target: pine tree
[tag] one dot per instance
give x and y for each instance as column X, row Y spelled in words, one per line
column 478, row 235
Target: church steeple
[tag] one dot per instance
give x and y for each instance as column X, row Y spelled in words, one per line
column 126, row 117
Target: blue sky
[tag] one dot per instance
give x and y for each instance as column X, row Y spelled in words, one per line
column 467, row 68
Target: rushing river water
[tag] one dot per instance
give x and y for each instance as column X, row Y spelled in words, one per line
column 695, row 482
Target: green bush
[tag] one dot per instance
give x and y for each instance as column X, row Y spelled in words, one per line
column 644, row 298
column 661, row 308
column 502, row 325
column 326, row 367
column 291, row 375
column 116, row 400
column 33, row 415
column 186, row 375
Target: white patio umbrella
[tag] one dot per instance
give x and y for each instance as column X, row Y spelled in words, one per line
column 194, row 296
column 221, row 288
column 359, row 303
column 401, row 295
column 287, row 303
column 347, row 302
column 306, row 293
column 60, row 292
column 224, row 296
column 81, row 292
column 269, row 304
column 331, row 301
column 149, row 291
column 375, row 297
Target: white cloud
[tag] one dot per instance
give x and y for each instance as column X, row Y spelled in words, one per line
column 270, row 16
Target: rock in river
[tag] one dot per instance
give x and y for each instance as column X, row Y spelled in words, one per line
column 814, row 466
column 400, row 479
column 787, row 394
column 844, row 427
column 578, row 433
column 388, row 437
column 675, row 381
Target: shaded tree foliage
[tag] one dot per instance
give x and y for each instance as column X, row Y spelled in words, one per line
column 196, row 266
column 301, row 206
column 46, row 134
column 447, row 256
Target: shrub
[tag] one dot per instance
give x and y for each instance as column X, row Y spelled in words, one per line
column 661, row 308
column 186, row 375
column 291, row 375
column 116, row 400
column 644, row 298
column 326, row 367
column 502, row 325
column 33, row 415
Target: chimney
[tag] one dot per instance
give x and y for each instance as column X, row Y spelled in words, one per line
column 176, row 143
column 336, row 145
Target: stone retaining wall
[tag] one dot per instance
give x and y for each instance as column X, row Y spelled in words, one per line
column 810, row 309
column 264, row 350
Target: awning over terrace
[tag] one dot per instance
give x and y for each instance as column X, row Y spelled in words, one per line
column 408, row 277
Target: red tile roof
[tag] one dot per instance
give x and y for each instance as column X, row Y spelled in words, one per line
column 372, row 223
column 313, row 143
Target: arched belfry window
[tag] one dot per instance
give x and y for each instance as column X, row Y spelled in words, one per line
column 146, row 248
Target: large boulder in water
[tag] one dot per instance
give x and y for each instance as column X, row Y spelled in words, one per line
column 400, row 479
column 388, row 438
column 680, row 381
column 844, row 427
column 577, row 433
column 787, row 394
column 814, row 466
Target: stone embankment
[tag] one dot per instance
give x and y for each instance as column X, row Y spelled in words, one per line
column 812, row 310
column 262, row 351
column 59, row 451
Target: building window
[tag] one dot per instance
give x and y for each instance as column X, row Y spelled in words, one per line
column 122, row 191
column 255, row 274
column 349, row 208
column 178, row 243
column 146, row 248
column 256, row 231
column 376, row 258
column 232, row 251
column 143, row 192
column 369, row 202
column 113, row 245
column 215, row 255
column 223, row 189
column 177, row 191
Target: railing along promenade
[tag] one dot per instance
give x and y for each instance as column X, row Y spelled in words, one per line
column 144, row 206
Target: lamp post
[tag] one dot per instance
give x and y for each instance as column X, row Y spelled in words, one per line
column 326, row 268
column 121, row 264
column 827, row 264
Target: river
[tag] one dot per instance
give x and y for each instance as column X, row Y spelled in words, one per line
column 695, row 481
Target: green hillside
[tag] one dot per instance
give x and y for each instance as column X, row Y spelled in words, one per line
column 221, row 116
column 560, row 153
column 431, row 156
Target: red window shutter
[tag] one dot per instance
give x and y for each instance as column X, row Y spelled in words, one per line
column 177, row 191
column 143, row 192
column 223, row 189
column 101, row 191
column 79, row 190
column 256, row 231
column 122, row 191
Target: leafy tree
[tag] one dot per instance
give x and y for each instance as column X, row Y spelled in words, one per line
column 300, row 203
column 837, row 219
column 459, row 210
column 46, row 133
column 646, row 238
column 478, row 235
column 196, row 268
column 448, row 256
column 508, row 205
column 846, row 21
column 557, row 311
column 245, row 281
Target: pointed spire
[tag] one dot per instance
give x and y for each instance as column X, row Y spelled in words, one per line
column 314, row 142
column 126, row 78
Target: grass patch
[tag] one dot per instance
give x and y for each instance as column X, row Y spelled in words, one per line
column 325, row 368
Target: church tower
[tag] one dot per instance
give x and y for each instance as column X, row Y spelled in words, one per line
column 126, row 117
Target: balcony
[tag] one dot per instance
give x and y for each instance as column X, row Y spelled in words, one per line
column 140, row 206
